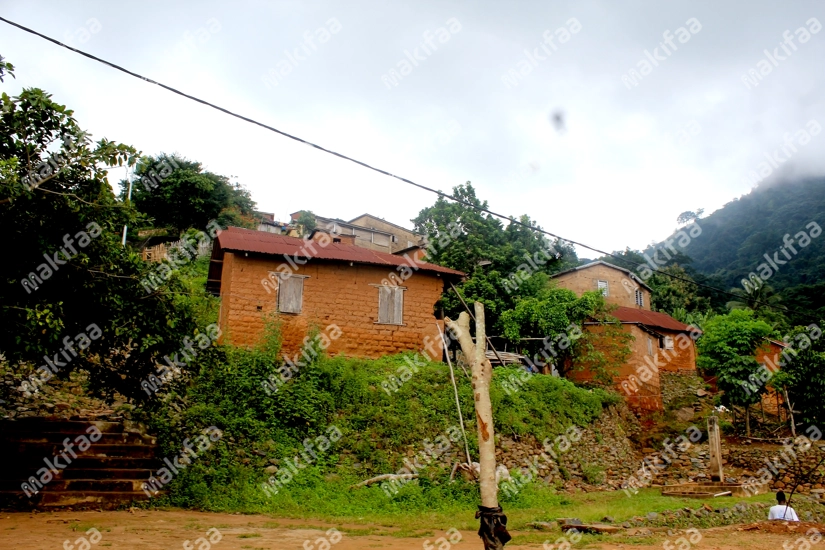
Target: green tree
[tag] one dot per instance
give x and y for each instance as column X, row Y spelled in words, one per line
column 673, row 288
column 306, row 219
column 502, row 263
column 67, row 273
column 726, row 349
column 179, row 193
column 557, row 315
column 802, row 373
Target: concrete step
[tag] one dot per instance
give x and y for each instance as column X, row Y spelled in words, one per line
column 59, row 437
column 93, row 485
column 35, row 424
column 39, row 450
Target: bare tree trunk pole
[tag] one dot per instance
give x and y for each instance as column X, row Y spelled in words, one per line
column 790, row 412
column 482, row 373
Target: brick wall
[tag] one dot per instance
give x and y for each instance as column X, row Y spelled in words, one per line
column 621, row 289
column 640, row 394
column 334, row 292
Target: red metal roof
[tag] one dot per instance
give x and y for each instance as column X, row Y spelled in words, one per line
column 247, row 240
column 649, row 318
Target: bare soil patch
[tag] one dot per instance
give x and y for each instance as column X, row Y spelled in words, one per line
column 154, row 530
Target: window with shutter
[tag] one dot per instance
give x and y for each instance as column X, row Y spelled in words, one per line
column 390, row 305
column 290, row 294
column 668, row 342
column 649, row 345
column 602, row 285
column 640, row 298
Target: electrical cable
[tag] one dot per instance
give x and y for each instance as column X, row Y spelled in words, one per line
column 510, row 219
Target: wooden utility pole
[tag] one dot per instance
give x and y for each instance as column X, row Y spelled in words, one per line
column 493, row 530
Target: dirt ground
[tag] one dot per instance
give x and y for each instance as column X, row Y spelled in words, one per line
column 169, row 529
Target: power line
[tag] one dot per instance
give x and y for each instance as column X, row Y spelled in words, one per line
column 510, row 219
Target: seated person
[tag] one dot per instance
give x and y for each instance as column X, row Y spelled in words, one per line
column 782, row 510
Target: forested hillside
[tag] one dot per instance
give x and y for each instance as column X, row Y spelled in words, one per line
column 736, row 237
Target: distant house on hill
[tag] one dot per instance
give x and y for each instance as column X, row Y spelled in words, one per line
column 326, row 283
column 369, row 231
column 661, row 343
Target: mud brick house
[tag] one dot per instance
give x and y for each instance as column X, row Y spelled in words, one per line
column 661, row 343
column 323, row 283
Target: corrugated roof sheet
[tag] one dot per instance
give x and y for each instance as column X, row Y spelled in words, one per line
column 649, row 318
column 247, row 240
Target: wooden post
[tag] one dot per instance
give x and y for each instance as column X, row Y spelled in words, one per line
column 482, row 373
column 790, row 412
column 715, row 448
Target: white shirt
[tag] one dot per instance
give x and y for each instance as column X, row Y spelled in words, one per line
column 782, row 511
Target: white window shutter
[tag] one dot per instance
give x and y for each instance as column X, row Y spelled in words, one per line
column 384, row 304
column 398, row 307
column 390, row 305
column 291, row 294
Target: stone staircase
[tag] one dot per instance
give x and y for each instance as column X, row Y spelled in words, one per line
column 107, row 474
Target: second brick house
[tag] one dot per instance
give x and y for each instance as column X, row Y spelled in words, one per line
column 660, row 342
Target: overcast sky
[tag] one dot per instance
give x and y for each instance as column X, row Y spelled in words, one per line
column 629, row 159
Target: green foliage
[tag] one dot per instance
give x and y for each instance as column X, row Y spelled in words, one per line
column 550, row 313
column 802, row 373
column 6, row 68
column 378, row 429
column 558, row 316
column 306, row 219
column 55, row 187
column 179, row 193
column 593, row 473
column 489, row 253
column 726, row 349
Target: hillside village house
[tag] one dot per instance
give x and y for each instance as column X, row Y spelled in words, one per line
column 324, row 283
column 369, row 232
column 661, row 343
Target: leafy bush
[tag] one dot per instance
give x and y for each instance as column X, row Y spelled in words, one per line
column 378, row 429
